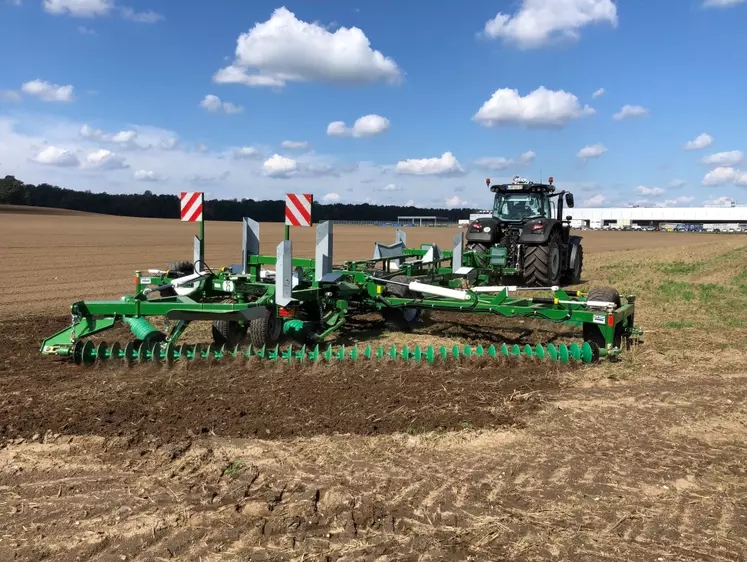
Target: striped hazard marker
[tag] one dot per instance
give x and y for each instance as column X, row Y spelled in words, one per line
column 298, row 209
column 191, row 202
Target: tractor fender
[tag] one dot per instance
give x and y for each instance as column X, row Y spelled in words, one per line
column 574, row 243
column 532, row 237
column 483, row 231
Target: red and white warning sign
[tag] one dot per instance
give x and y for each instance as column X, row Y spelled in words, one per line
column 191, row 202
column 298, row 209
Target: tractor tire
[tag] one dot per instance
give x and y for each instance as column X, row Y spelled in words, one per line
column 542, row 267
column 573, row 275
column 592, row 332
column 480, row 248
column 400, row 319
column 266, row 330
column 228, row 332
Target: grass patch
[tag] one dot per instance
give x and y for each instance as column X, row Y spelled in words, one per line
column 679, row 324
column 681, row 267
column 671, row 290
column 233, row 469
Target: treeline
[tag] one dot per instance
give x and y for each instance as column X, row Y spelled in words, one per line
column 150, row 205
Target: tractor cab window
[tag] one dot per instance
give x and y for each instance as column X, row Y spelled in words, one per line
column 520, row 206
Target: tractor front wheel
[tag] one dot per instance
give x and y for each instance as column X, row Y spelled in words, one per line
column 542, row 267
column 573, row 275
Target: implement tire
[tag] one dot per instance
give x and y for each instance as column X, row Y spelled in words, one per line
column 265, row 330
column 592, row 332
column 542, row 266
column 400, row 319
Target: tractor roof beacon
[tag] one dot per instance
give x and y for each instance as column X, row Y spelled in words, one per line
column 526, row 235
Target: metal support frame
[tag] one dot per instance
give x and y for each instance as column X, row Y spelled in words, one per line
column 249, row 241
column 324, row 247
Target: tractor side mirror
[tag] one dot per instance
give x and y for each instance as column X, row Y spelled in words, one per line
column 568, row 218
column 569, row 199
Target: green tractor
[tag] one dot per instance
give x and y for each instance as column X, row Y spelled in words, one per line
column 526, row 237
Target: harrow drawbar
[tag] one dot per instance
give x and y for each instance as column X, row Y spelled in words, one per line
column 88, row 353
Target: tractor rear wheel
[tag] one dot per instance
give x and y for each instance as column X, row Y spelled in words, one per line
column 400, row 319
column 542, row 267
column 480, row 249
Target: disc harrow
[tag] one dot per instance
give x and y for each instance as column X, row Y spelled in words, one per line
column 267, row 299
column 88, row 353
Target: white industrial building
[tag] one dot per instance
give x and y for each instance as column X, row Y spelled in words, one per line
column 715, row 217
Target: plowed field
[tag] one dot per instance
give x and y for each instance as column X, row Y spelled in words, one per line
column 645, row 459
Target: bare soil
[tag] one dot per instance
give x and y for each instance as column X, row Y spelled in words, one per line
column 645, row 459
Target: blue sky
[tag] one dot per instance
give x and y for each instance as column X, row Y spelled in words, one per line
column 387, row 102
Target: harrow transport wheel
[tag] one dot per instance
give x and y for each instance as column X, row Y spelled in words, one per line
column 592, row 333
column 265, row 330
column 480, row 249
column 400, row 319
column 542, row 266
column 228, row 332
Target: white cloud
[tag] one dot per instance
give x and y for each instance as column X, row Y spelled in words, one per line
column 144, row 138
column 148, row 175
column 48, row 92
column 721, row 3
column 597, row 93
column 501, row 163
column 140, row 17
column 79, row 8
column 454, row 202
column 277, row 166
column 724, row 200
column 677, row 183
column 685, row 199
column 285, row 49
column 103, row 159
column 9, row 95
column 721, row 176
column 247, row 152
column 701, row 141
column 213, row 104
column 591, row 151
column 653, row 191
column 391, row 187
column 541, row 22
column 366, row 126
column 410, row 203
column 97, row 8
column 295, row 145
column 540, row 108
column 83, row 30
column 331, row 198
column 54, row 156
column 598, row 200
column 445, row 165
column 728, row 159
column 629, row 111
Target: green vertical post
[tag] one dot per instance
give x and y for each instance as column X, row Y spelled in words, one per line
column 287, row 232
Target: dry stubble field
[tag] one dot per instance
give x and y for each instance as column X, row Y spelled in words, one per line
column 640, row 460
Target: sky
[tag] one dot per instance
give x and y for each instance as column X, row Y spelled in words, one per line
column 640, row 102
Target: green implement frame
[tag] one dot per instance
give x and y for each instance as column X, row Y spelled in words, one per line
column 308, row 300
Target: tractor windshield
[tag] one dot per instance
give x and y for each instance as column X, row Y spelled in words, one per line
column 520, row 206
